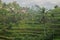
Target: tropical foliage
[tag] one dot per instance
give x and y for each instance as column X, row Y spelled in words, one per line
column 23, row 23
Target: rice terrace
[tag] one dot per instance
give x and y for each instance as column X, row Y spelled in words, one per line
column 36, row 22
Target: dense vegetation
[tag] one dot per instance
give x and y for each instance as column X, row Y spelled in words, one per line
column 23, row 23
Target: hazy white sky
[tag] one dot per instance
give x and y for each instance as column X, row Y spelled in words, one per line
column 46, row 3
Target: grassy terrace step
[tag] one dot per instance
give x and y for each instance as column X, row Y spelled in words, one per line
column 34, row 34
column 55, row 18
column 26, row 31
column 31, row 29
column 12, row 38
column 9, row 38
